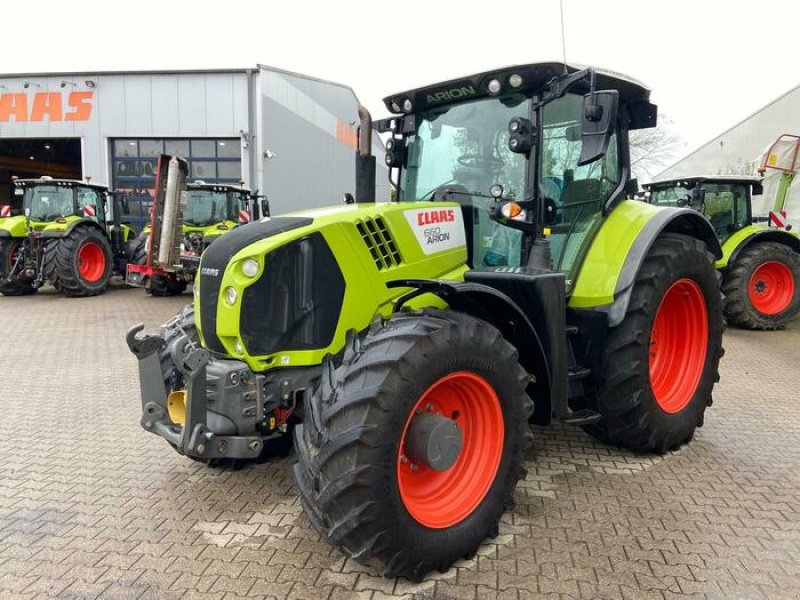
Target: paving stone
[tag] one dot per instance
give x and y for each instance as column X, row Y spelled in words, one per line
column 105, row 510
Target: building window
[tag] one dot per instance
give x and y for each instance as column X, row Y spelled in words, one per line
column 133, row 163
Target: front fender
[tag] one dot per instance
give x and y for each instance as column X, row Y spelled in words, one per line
column 494, row 306
column 606, row 278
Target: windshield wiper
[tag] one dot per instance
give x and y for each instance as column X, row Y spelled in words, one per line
column 433, row 191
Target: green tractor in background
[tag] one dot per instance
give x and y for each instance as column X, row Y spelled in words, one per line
column 208, row 211
column 760, row 262
column 408, row 345
column 69, row 235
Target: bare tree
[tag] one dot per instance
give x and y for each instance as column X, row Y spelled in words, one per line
column 654, row 149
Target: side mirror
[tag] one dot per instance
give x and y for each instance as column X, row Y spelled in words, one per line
column 264, row 208
column 520, row 135
column 395, row 153
column 598, row 123
column 632, row 187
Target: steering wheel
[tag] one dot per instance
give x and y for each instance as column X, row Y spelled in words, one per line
column 479, row 161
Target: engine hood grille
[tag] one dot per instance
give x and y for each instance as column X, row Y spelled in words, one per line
column 216, row 258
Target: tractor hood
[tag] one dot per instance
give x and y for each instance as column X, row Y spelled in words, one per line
column 284, row 291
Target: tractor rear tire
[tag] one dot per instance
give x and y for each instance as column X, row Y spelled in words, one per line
column 15, row 287
column 762, row 288
column 49, row 272
column 83, row 262
column 662, row 361
column 361, row 486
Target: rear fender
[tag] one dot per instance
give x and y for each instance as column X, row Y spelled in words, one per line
column 607, row 276
column 755, row 234
column 57, row 230
column 13, row 227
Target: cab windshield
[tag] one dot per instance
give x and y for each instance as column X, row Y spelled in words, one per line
column 206, row 207
column 463, row 149
column 49, row 202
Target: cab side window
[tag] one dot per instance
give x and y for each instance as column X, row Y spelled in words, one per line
column 90, row 204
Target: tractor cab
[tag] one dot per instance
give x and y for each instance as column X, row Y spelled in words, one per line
column 213, row 209
column 536, row 155
column 724, row 200
column 46, row 200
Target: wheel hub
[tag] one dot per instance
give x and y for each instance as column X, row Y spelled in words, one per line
column 434, row 441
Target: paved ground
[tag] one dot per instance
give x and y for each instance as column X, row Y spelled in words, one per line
column 92, row 506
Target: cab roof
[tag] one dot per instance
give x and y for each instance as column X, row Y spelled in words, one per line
column 694, row 180
column 228, row 187
column 62, row 182
column 534, row 76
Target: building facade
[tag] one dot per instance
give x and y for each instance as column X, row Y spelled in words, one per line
column 289, row 136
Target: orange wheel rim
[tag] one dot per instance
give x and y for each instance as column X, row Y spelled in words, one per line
column 771, row 288
column 439, row 499
column 678, row 345
column 91, row 262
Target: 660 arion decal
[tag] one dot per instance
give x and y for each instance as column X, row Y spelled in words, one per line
column 437, row 229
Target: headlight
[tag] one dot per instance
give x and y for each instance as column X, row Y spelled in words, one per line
column 250, row 267
column 237, row 345
column 494, row 86
column 230, row 296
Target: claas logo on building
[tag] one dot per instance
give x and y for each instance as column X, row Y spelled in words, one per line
column 45, row 106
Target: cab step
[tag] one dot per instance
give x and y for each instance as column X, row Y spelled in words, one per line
column 584, row 416
column 576, row 372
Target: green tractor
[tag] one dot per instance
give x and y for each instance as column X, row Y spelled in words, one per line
column 69, row 234
column 409, row 345
column 209, row 210
column 760, row 261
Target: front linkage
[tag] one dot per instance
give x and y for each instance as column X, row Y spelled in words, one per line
column 217, row 414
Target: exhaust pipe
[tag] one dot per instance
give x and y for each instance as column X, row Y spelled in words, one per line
column 365, row 161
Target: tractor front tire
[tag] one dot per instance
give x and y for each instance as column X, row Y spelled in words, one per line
column 83, row 262
column 159, row 284
column 137, row 250
column 166, row 285
column 362, row 484
column 662, row 361
column 762, row 288
column 14, row 287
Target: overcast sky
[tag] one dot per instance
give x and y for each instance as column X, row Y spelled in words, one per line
column 710, row 63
